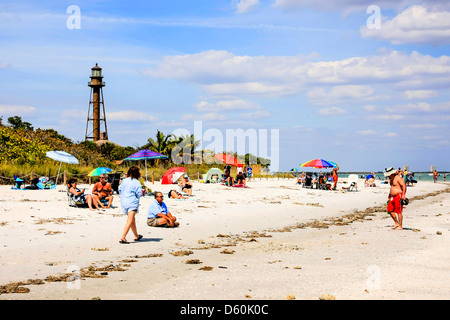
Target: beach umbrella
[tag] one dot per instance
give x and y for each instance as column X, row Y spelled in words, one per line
column 145, row 155
column 228, row 159
column 98, row 171
column 172, row 175
column 319, row 164
column 61, row 156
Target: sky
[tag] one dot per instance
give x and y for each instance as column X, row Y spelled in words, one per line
column 361, row 83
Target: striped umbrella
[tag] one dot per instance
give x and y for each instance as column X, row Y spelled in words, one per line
column 319, row 164
column 98, row 171
column 144, row 155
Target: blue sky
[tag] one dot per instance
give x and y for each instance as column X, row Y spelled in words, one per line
column 313, row 70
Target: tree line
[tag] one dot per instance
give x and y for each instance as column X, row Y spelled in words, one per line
column 21, row 143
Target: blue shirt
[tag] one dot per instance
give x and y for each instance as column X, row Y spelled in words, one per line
column 130, row 191
column 156, row 208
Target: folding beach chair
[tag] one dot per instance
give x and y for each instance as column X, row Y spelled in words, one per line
column 352, row 183
column 114, row 179
column 72, row 203
column 308, row 181
column 18, row 182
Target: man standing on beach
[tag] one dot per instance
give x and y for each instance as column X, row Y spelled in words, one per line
column 396, row 195
column 435, row 176
column 335, row 176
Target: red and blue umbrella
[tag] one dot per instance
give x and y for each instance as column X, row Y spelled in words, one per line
column 145, row 155
column 319, row 164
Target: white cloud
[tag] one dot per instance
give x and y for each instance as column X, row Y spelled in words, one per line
column 243, row 6
column 348, row 6
column 416, row 24
column 370, row 108
column 130, row 116
column 256, row 115
column 388, row 117
column 345, row 6
column 17, row 110
column 226, row 105
column 419, row 94
column 366, row 132
column 422, row 126
column 221, row 73
column 339, row 94
column 4, row 65
column 332, row 111
column 211, row 116
column 390, row 134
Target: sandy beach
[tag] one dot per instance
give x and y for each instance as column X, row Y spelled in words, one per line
column 274, row 241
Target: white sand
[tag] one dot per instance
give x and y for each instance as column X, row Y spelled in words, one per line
column 362, row 260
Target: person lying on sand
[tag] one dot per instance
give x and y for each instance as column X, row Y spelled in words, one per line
column 173, row 194
column 158, row 214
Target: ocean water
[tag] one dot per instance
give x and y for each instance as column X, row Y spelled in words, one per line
column 420, row 176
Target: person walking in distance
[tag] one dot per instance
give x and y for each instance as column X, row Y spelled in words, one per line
column 397, row 193
column 130, row 192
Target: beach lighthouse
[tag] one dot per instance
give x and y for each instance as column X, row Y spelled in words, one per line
column 96, row 111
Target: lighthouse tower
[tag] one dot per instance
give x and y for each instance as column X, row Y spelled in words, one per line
column 96, row 111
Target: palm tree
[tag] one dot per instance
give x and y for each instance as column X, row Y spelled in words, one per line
column 162, row 144
column 159, row 145
column 184, row 148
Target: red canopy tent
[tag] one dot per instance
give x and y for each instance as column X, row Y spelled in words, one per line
column 171, row 176
column 227, row 159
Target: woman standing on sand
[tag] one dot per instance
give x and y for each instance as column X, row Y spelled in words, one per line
column 130, row 191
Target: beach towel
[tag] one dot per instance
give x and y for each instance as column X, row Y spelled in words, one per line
column 239, row 186
column 46, row 186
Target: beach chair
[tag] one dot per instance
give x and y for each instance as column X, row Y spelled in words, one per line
column 322, row 184
column 18, row 182
column 114, row 179
column 145, row 189
column 72, row 203
column 308, row 181
column 352, row 183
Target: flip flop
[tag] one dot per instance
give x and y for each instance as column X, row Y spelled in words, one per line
column 124, row 241
column 139, row 237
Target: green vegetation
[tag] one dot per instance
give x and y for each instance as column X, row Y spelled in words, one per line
column 23, row 149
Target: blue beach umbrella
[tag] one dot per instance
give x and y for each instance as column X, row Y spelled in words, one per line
column 61, row 156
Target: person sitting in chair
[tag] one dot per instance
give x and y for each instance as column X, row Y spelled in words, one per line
column 103, row 191
column 80, row 197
